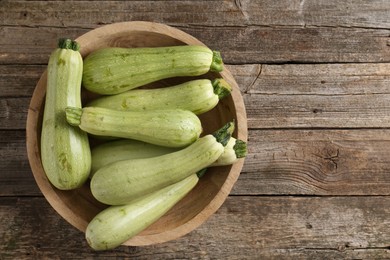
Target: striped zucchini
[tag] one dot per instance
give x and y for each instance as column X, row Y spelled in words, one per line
column 116, row 224
column 234, row 150
column 170, row 128
column 125, row 149
column 198, row 96
column 111, row 71
column 137, row 177
column 65, row 152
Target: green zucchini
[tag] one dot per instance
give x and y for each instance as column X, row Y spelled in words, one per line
column 125, row 149
column 65, row 151
column 137, row 177
column 198, row 96
column 112, row 70
column 234, row 150
column 170, row 128
column 117, row 224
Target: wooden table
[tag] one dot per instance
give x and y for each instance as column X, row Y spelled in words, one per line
column 315, row 77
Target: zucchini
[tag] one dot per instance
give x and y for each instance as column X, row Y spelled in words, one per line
column 170, row 128
column 116, row 224
column 125, row 149
column 65, row 152
column 137, row 177
column 234, row 150
column 198, row 96
column 113, row 70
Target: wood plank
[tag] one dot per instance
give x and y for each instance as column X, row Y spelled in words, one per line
column 279, row 162
column 316, row 79
column 238, row 45
column 16, row 177
column 88, row 14
column 276, row 96
column 13, row 113
column 244, row 227
column 316, row 162
column 19, row 81
column 316, row 95
column 28, row 45
column 304, row 38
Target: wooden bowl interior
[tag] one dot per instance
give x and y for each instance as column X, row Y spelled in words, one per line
column 78, row 206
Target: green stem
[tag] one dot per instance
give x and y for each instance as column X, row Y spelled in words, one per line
column 223, row 134
column 221, row 88
column 240, row 148
column 65, row 43
column 217, row 63
column 73, row 115
column 201, row 173
column 75, row 46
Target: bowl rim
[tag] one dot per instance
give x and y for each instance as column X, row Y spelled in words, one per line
column 34, row 156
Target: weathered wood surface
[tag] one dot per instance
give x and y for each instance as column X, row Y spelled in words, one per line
column 239, row 45
column 315, row 78
column 245, row 228
column 279, row 162
column 357, row 13
column 276, row 96
column 245, row 31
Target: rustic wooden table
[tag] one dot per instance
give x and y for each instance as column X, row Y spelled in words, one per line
column 315, row 77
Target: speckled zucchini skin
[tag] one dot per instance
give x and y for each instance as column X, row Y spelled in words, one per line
column 170, row 128
column 123, row 181
column 198, row 96
column 112, row 70
column 116, row 224
column 65, row 152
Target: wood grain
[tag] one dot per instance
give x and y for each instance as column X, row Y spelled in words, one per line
column 288, row 162
column 316, row 95
column 276, row 96
column 245, row 227
column 316, row 162
column 245, row 31
column 315, row 78
column 19, row 81
column 357, row 13
column 238, row 45
column 326, row 31
column 16, row 178
column 13, row 113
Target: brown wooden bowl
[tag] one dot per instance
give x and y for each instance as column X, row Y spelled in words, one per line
column 78, row 206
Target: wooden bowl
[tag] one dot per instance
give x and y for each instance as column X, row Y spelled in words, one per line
column 78, row 206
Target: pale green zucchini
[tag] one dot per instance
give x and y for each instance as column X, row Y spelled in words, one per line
column 111, row 71
column 234, row 150
column 137, row 177
column 65, row 151
column 125, row 149
column 198, row 96
column 117, row 224
column 170, row 128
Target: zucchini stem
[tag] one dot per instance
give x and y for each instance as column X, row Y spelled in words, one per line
column 240, row 148
column 65, row 43
column 73, row 115
column 223, row 134
column 221, row 88
column 217, row 63
column 201, row 173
